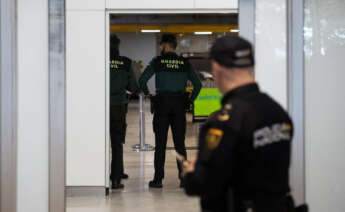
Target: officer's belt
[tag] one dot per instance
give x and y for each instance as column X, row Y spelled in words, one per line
column 168, row 93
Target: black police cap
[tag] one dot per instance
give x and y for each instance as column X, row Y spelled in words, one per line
column 232, row 52
column 169, row 38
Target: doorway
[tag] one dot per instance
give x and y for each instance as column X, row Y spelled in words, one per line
column 140, row 35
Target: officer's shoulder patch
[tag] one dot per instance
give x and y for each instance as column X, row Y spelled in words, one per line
column 213, row 138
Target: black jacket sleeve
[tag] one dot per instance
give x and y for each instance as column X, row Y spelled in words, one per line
column 216, row 160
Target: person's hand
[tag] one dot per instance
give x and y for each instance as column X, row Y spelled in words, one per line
column 128, row 92
column 188, row 166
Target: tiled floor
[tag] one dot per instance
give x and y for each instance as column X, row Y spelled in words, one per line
column 136, row 196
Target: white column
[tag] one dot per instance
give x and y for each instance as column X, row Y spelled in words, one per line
column 33, row 179
column 325, row 104
column 85, row 98
column 270, row 46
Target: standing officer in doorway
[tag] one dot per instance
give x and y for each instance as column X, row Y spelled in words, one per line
column 171, row 101
column 122, row 83
column 244, row 148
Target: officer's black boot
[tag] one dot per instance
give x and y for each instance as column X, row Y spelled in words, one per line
column 182, row 183
column 124, row 176
column 155, row 183
column 117, row 184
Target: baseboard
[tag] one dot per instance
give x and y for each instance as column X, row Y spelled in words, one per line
column 73, row 191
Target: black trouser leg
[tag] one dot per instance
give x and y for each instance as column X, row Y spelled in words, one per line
column 116, row 163
column 122, row 163
column 122, row 166
column 160, row 127
column 178, row 128
column 117, row 134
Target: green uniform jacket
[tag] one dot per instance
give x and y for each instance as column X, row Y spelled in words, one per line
column 172, row 73
column 122, row 78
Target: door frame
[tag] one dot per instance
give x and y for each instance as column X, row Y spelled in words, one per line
column 296, row 95
column 8, row 106
column 57, row 105
column 107, row 59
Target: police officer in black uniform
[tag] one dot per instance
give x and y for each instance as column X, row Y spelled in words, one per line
column 245, row 147
column 170, row 104
column 122, row 83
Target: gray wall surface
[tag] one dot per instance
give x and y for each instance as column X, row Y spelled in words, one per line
column 138, row 46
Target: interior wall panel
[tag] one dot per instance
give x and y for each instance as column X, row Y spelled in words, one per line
column 150, row 4
column 325, row 103
column 215, row 4
column 235, row 4
column 246, row 20
column 33, row 111
column 85, row 4
column 85, row 73
column 8, row 105
column 271, row 48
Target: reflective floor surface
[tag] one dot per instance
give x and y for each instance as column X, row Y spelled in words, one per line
column 136, row 196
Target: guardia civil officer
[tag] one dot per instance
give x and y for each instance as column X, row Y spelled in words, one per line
column 244, row 148
column 172, row 73
column 122, row 83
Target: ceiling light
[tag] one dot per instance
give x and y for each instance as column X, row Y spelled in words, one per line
column 234, row 30
column 203, row 33
column 150, row 30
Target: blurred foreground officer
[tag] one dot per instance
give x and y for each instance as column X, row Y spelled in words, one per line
column 122, row 82
column 171, row 101
column 244, row 148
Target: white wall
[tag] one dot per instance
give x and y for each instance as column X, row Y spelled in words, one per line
column 85, row 5
column 325, row 104
column 177, row 4
column 150, row 4
column 85, row 53
column 32, row 164
column 270, row 47
column 216, row 4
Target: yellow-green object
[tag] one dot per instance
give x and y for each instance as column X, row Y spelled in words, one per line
column 208, row 101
